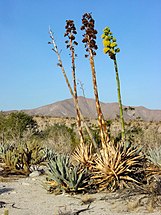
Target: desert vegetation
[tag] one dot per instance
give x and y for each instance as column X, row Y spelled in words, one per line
column 85, row 156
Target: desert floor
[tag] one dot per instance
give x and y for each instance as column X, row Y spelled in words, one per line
column 27, row 196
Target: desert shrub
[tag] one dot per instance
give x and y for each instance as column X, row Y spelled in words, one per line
column 15, row 125
column 2, row 127
column 60, row 138
column 151, row 138
column 22, row 157
column 95, row 132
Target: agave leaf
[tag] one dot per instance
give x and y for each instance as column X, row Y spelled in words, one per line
column 115, row 163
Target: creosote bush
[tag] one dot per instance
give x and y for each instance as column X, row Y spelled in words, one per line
column 14, row 126
column 60, row 138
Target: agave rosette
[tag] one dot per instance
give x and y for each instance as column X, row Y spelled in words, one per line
column 116, row 166
column 65, row 176
column 83, row 154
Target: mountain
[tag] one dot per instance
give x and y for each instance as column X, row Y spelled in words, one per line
column 65, row 108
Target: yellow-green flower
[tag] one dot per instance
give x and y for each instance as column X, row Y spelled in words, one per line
column 106, row 43
column 112, row 45
column 117, row 50
column 106, row 50
column 103, row 36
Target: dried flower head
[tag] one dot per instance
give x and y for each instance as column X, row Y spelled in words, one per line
column 90, row 33
column 70, row 33
column 109, row 42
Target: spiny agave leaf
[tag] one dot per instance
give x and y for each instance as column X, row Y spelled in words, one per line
column 154, row 156
column 114, row 164
column 128, row 178
column 80, row 178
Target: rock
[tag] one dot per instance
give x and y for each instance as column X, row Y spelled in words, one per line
column 1, row 169
column 159, row 130
column 24, row 183
column 2, row 204
column 35, row 173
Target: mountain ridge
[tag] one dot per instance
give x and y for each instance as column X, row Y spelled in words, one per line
column 65, row 108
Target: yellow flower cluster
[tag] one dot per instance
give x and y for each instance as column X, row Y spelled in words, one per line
column 109, row 42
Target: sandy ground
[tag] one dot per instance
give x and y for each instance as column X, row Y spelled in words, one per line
column 27, row 196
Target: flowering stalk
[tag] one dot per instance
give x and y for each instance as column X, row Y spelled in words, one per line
column 60, row 64
column 90, row 45
column 110, row 48
column 70, row 33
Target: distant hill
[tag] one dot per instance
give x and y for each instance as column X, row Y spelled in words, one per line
column 65, row 108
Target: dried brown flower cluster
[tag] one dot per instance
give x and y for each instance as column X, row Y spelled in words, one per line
column 70, row 33
column 90, row 33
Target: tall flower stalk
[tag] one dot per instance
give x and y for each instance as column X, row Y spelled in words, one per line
column 71, row 43
column 110, row 48
column 60, row 64
column 90, row 44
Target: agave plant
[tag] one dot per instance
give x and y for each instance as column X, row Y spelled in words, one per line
column 118, row 164
column 65, row 176
column 83, row 155
column 21, row 157
column 8, row 156
column 154, row 156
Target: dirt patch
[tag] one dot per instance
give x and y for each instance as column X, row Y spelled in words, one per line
column 27, row 196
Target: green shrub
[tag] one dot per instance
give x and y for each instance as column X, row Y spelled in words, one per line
column 14, row 126
column 60, row 138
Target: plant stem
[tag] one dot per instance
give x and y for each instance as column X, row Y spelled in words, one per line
column 79, row 121
column 101, row 121
column 119, row 99
column 55, row 49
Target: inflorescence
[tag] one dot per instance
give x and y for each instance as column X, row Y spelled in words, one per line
column 109, row 43
column 70, row 33
column 90, row 34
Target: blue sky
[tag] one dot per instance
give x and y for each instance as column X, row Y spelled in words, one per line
column 29, row 76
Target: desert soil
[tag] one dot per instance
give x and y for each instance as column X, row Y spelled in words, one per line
column 27, row 196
